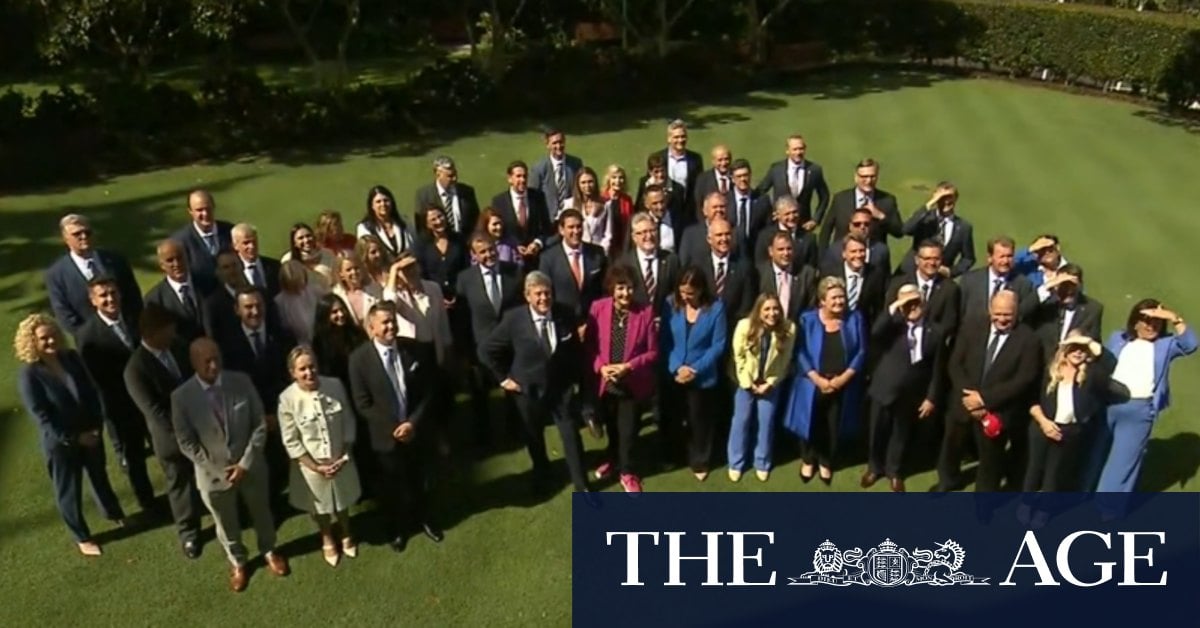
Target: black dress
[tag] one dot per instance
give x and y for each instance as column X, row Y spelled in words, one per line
column 821, row 444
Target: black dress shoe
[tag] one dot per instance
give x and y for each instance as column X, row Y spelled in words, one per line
column 432, row 532
column 399, row 543
column 191, row 550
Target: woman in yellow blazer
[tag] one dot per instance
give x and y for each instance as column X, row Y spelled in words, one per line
column 762, row 351
column 316, row 422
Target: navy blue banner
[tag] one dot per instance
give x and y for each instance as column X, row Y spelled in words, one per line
column 823, row 559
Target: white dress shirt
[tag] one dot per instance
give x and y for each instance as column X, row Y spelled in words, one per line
column 82, row 264
column 677, row 168
column 795, row 176
column 991, row 283
column 666, row 233
column 999, row 346
column 395, row 373
column 853, row 278
column 915, row 332
column 1064, row 411
column 540, row 320
column 1135, row 368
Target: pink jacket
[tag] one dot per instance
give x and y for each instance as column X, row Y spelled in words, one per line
column 641, row 348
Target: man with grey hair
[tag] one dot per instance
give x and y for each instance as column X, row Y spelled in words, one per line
column 260, row 272
column 657, row 268
column 683, row 166
column 787, row 220
column 457, row 199
column 536, row 356
column 67, row 278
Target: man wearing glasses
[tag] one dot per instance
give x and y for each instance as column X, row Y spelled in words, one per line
column 879, row 258
column 939, row 221
column 67, row 279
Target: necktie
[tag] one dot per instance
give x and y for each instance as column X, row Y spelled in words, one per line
column 996, row 285
column 257, row 343
column 864, row 201
column 720, row 278
column 785, row 291
column 91, row 269
column 547, row 341
column 254, row 275
column 577, row 268
column 648, row 279
column 722, row 184
column 945, row 230
column 185, row 297
column 992, row 348
column 796, row 184
column 216, row 401
column 119, row 328
column 522, row 212
column 913, row 355
column 448, row 206
column 852, row 292
column 393, row 372
column 744, row 216
column 169, row 362
column 493, row 288
column 925, row 292
column 560, row 182
column 210, row 242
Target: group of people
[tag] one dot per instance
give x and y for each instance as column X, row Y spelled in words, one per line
column 711, row 304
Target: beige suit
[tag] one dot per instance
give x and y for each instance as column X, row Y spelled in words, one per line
column 371, row 296
column 321, row 425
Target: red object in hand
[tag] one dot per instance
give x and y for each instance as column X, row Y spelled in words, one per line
column 992, row 425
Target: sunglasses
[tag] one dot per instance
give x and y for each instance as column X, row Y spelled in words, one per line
column 860, row 223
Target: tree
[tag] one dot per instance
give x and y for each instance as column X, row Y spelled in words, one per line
column 632, row 14
column 303, row 33
column 132, row 32
column 759, row 15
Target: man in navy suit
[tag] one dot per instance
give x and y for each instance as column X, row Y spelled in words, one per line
column 554, row 174
column 535, row 354
column 728, row 276
column 683, row 166
column 749, row 211
column 672, row 196
column 693, row 246
column 176, row 293
column 260, row 272
column 203, row 239
column 939, row 221
column 719, row 178
column 576, row 268
column 524, row 212
column 457, row 199
column 787, row 220
column 800, row 179
column 885, row 212
column 67, row 279
column 879, row 258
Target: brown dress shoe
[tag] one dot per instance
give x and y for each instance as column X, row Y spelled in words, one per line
column 278, row 564
column 868, row 479
column 237, row 579
column 897, row 485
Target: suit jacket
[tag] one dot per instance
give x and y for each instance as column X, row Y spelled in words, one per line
column 541, row 177
column 1007, row 387
column 472, row 291
column 693, row 246
column 760, row 210
column 60, row 414
column 706, row 184
column 837, row 222
column 777, row 182
column 201, row 437
column 514, row 350
column 958, row 254
column 188, row 326
column 803, row 293
column 574, row 297
column 468, row 206
column 1089, row 399
column 810, row 338
column 666, row 276
column 374, row 396
column 895, row 376
column 68, row 288
column 321, row 426
column 105, row 357
column 1167, row 347
column 701, row 347
column 269, row 267
column 976, row 291
column 804, row 247
column 870, row 294
column 1047, row 322
column 738, row 296
column 943, row 306
column 641, row 349
column 878, row 256
column 747, row 357
column 538, row 225
column 150, row 386
column 695, row 165
column 678, row 203
column 201, row 262
column 267, row 370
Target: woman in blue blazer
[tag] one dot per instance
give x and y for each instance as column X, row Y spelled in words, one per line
column 1144, row 352
column 693, row 338
column 826, row 396
column 62, row 399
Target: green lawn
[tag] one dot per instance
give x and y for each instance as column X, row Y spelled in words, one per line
column 1114, row 184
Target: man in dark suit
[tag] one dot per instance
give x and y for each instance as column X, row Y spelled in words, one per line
column 683, row 166
column 576, row 268
column 885, row 212
column 719, row 178
column 993, row 368
column 730, row 278
column 260, row 272
column 390, row 391
column 939, row 221
column 67, row 279
column 675, row 203
column 864, row 285
column 979, row 285
column 879, row 258
column 787, row 220
column 489, row 289
column 749, row 211
column 176, row 293
column 795, row 288
column 457, row 199
column 907, row 383
column 939, row 295
column 693, row 247
column 535, row 354
column 1065, row 307
column 554, row 175
column 204, row 238
column 800, row 179
column 156, row 368
column 524, row 212
column 657, row 269
column 105, row 341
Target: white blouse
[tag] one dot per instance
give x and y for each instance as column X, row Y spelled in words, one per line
column 1064, row 413
column 1135, row 368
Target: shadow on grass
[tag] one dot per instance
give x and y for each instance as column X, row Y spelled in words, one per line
column 1170, row 462
column 1188, row 121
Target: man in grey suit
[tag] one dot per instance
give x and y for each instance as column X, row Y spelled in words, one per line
column 457, row 199
column 218, row 421
column 980, row 285
column 555, row 173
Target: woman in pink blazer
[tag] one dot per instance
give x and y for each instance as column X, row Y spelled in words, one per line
column 621, row 349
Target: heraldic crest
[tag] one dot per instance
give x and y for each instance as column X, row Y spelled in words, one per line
column 888, row 565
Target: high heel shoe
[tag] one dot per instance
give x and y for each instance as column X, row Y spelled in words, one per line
column 806, row 478
column 828, row 480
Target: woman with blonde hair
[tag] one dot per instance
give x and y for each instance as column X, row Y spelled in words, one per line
column 316, row 423
column 331, row 233
column 297, row 300
column 375, row 258
column 354, row 289
column 61, row 397
column 619, row 204
column 762, row 351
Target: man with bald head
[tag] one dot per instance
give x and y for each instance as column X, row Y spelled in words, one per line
column 994, row 367
column 798, row 178
column 731, row 279
column 177, row 293
column 203, row 239
column 719, row 178
column 693, row 246
column 218, row 421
